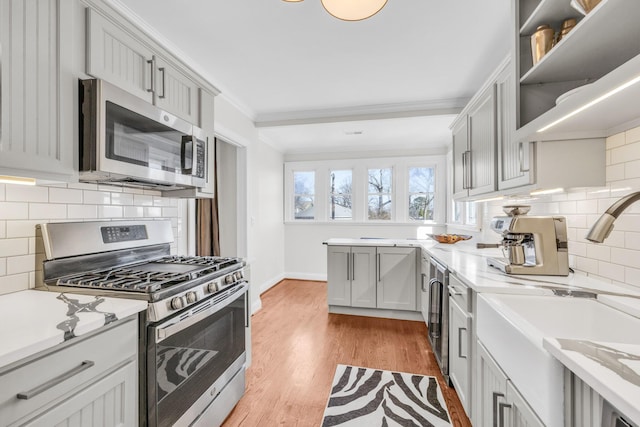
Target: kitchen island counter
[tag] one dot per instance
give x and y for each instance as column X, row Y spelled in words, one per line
column 33, row 321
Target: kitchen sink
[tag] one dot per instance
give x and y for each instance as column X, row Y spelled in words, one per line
column 512, row 328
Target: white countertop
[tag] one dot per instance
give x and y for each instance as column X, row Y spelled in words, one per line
column 469, row 264
column 611, row 369
column 32, row 321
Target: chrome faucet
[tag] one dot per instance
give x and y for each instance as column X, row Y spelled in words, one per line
column 601, row 229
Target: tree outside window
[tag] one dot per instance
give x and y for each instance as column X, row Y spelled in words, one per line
column 421, row 193
column 304, row 194
column 340, row 194
column 380, row 200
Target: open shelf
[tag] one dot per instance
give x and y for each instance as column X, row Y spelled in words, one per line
column 610, row 116
column 551, row 12
column 604, row 39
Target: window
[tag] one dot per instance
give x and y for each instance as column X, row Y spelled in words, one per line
column 464, row 213
column 340, row 194
column 304, row 194
column 421, row 193
column 389, row 190
column 380, row 193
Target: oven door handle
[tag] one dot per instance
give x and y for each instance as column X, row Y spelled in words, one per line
column 163, row 333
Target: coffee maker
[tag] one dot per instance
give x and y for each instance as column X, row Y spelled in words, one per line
column 532, row 244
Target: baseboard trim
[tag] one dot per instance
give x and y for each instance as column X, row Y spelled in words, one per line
column 306, row 276
column 377, row 312
column 256, row 306
column 265, row 286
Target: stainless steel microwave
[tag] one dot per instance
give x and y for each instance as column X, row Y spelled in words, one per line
column 126, row 141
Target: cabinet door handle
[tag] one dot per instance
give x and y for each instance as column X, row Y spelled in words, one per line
column 348, row 265
column 455, row 291
column 424, row 278
column 469, row 170
column 464, row 170
column 353, row 266
column 501, row 409
column 152, row 66
column 164, row 78
column 521, row 157
column 460, row 343
column 496, row 396
column 379, row 278
column 26, row 395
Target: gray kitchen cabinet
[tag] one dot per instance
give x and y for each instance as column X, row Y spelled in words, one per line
column 123, row 57
column 351, row 276
column 514, row 166
column 88, row 380
column 174, row 91
column 474, row 146
column 460, row 349
column 119, row 57
column 498, row 401
column 37, row 107
column 424, row 285
column 396, row 274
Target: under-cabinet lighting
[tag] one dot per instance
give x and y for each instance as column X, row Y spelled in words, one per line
column 592, row 103
column 548, row 191
column 612, row 190
column 5, row 179
column 490, row 199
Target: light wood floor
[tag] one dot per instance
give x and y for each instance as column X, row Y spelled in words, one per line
column 297, row 345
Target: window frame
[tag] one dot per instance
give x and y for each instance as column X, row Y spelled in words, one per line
column 399, row 182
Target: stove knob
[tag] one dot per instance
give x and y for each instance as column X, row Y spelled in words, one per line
column 212, row 287
column 177, row 303
column 229, row 279
column 240, row 274
column 191, row 297
column 237, row 276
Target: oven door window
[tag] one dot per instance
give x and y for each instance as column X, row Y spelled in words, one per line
column 184, row 365
column 138, row 140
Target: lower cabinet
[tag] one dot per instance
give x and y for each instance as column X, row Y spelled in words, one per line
column 86, row 381
column 499, row 403
column 460, row 351
column 372, row 277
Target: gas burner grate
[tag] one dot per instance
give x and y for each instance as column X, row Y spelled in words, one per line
column 205, row 261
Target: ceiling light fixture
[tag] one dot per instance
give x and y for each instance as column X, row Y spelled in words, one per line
column 350, row 10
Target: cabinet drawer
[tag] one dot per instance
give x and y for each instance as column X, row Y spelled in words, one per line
column 459, row 292
column 82, row 361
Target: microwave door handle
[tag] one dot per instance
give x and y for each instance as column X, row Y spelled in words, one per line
column 187, row 139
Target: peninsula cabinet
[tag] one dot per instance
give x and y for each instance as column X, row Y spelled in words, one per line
column 85, row 381
column 498, row 402
column 117, row 54
column 37, row 111
column 372, row 277
column 351, row 276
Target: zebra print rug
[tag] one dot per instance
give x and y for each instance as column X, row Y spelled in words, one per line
column 364, row 397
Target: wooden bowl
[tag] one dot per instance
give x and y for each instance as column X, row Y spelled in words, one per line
column 449, row 238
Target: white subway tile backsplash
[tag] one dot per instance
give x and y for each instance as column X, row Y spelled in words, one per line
column 133, row 212
column 169, row 212
column 109, row 212
column 616, row 140
column 14, row 283
column 3, row 229
column 629, row 151
column 587, row 265
column 152, row 212
column 632, row 241
column 599, row 252
column 587, row 206
column 82, row 211
column 26, row 193
column 611, row 271
column 21, row 264
column 578, row 249
column 626, row 257
column 122, row 199
column 26, row 228
column 110, row 188
column 632, row 135
column 632, row 169
column 12, row 210
column 628, row 222
column 97, row 197
column 632, row 276
column 83, row 186
column 13, row 247
column 615, row 172
column 142, row 200
column 47, row 211
column 64, row 195
column 2, row 186
column 3, row 266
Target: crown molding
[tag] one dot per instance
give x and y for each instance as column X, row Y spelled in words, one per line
column 366, row 112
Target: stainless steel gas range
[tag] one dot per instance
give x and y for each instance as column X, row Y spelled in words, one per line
column 192, row 336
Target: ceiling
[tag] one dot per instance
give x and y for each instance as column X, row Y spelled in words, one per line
column 310, row 81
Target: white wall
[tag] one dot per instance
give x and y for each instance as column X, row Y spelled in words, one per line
column 617, row 259
column 23, row 207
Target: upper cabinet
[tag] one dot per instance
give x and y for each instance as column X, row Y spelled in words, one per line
column 37, row 113
column 118, row 55
column 588, row 84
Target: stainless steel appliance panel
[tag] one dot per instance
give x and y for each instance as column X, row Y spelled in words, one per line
column 438, row 323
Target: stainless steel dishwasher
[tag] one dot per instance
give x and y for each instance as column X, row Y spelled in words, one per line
column 438, row 323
